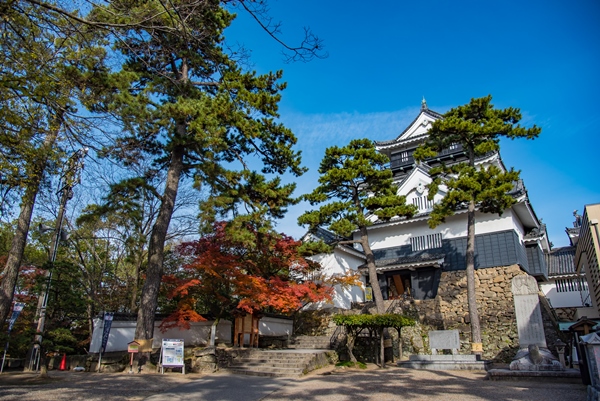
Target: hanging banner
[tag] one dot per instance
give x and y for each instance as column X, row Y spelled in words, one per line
column 108, row 318
column 15, row 314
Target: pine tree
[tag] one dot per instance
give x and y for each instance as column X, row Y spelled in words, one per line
column 188, row 107
column 478, row 127
column 47, row 68
column 356, row 187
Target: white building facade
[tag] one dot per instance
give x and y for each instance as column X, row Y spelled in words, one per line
column 410, row 256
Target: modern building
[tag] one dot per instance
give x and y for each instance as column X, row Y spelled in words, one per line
column 587, row 254
column 566, row 289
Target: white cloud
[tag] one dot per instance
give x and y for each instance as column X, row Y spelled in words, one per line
column 317, row 132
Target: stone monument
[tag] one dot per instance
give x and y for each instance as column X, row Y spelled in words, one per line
column 533, row 352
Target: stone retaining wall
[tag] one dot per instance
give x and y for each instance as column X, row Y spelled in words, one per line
column 449, row 310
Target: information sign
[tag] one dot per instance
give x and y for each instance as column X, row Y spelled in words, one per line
column 172, row 353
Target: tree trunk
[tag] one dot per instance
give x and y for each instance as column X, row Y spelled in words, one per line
column 471, row 297
column 15, row 255
column 350, row 341
column 149, row 300
column 377, row 295
column 136, row 280
column 382, row 347
column 17, row 248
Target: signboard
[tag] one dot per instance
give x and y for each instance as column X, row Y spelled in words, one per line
column 369, row 294
column 172, row 353
column 145, row 345
column 133, row 347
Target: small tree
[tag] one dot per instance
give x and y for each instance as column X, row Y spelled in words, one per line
column 357, row 185
column 355, row 324
column 478, row 127
column 222, row 272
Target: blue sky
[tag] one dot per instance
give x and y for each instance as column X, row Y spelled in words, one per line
column 540, row 56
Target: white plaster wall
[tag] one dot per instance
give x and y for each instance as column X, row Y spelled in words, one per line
column 517, row 224
column 571, row 299
column 589, row 313
column 455, row 227
column 272, row 326
column 418, row 128
column 340, row 262
column 122, row 333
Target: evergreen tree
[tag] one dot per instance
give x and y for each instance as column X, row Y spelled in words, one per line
column 357, row 188
column 47, row 68
column 187, row 106
column 478, row 127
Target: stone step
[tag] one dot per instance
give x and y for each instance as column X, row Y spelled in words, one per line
column 278, row 364
column 282, row 356
column 264, row 373
column 270, row 363
column 310, row 342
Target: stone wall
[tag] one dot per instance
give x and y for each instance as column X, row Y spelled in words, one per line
column 449, row 310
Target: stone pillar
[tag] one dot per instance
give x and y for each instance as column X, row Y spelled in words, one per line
column 533, row 354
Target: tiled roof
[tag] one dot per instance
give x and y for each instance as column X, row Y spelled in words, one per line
column 431, row 113
column 329, row 238
column 420, row 258
column 560, row 261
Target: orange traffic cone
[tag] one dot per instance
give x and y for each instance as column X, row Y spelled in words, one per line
column 63, row 363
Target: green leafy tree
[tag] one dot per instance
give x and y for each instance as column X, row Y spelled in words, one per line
column 355, row 324
column 46, row 66
column 188, row 107
column 478, row 127
column 356, row 188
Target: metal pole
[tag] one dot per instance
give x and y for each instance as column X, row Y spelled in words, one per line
column 4, row 357
column 71, row 178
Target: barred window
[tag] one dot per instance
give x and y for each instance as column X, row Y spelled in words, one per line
column 571, row 284
column 423, row 242
column 422, row 203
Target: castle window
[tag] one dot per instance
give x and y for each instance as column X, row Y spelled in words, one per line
column 423, row 242
column 422, row 203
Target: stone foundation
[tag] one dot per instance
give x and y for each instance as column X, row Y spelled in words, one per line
column 449, row 310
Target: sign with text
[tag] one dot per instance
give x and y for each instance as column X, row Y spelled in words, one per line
column 172, row 353
column 133, row 347
column 17, row 308
column 108, row 319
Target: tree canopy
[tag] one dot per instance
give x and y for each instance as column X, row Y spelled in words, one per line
column 356, row 188
column 478, row 126
column 221, row 274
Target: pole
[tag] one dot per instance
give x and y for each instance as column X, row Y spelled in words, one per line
column 4, row 357
column 70, row 177
column 99, row 361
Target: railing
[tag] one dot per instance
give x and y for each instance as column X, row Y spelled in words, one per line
column 335, row 337
column 404, row 159
column 393, row 305
column 456, row 148
column 398, row 163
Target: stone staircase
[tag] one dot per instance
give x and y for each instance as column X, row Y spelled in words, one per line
column 279, row 363
column 310, row 342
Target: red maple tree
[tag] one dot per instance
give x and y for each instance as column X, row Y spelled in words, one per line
column 221, row 274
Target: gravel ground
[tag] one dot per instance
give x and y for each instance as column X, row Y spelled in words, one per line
column 75, row 386
column 416, row 385
column 326, row 384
